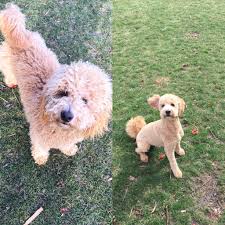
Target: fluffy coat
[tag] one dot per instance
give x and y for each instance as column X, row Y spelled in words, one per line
column 48, row 89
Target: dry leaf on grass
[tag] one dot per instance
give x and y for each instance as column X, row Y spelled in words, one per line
column 193, row 35
column 136, row 212
column 64, row 210
column 184, row 66
column 161, row 156
column 162, row 81
column 215, row 213
column 195, row 131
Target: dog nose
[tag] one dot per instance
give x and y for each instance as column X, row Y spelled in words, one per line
column 168, row 112
column 66, row 116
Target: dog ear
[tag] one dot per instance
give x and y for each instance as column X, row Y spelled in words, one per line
column 154, row 101
column 182, row 106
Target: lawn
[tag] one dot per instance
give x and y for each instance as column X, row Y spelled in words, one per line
column 72, row 190
column 170, row 47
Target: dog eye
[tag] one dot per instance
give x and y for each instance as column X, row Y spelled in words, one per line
column 61, row 94
column 85, row 100
column 162, row 105
column 172, row 104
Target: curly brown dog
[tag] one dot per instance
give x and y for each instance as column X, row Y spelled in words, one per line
column 63, row 104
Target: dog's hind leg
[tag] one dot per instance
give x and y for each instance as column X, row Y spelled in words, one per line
column 141, row 149
column 6, row 67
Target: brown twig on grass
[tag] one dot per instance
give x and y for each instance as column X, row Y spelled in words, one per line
column 17, row 98
column 167, row 216
column 130, row 212
column 33, row 217
column 4, row 100
column 153, row 210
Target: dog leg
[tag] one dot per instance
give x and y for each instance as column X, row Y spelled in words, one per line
column 180, row 151
column 69, row 150
column 5, row 66
column 141, row 149
column 39, row 154
column 170, row 153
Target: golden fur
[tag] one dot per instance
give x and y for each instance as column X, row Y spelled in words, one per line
column 134, row 125
column 47, row 88
column 166, row 132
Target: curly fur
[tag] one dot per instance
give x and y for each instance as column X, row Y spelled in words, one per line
column 134, row 125
column 47, row 88
column 166, row 132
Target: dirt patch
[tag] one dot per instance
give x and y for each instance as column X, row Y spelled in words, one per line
column 213, row 137
column 207, row 194
column 162, row 81
column 136, row 212
column 193, row 35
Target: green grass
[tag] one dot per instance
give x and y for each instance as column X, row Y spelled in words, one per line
column 74, row 30
column 184, row 42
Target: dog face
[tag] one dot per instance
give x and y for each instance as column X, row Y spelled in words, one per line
column 79, row 96
column 170, row 106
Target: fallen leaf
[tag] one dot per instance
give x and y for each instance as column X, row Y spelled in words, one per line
column 183, row 211
column 214, row 213
column 193, row 35
column 137, row 212
column 61, row 184
column 161, row 156
column 184, row 66
column 195, row 131
column 162, row 81
column 64, row 210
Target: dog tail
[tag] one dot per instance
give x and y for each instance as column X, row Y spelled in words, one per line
column 134, row 125
column 12, row 25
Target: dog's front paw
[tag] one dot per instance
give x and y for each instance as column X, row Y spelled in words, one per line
column 181, row 152
column 40, row 157
column 144, row 157
column 11, row 82
column 71, row 151
column 41, row 160
column 178, row 173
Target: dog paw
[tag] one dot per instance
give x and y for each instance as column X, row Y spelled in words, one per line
column 70, row 152
column 181, row 152
column 178, row 174
column 12, row 86
column 41, row 160
column 144, row 158
column 10, row 82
